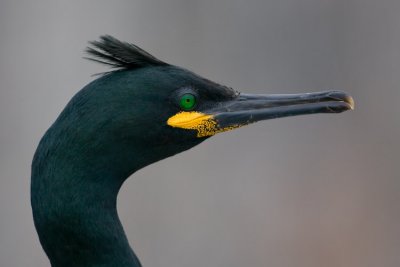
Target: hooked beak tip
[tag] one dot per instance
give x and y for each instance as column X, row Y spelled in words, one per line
column 342, row 97
column 350, row 101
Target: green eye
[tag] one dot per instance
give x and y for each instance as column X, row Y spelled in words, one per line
column 187, row 102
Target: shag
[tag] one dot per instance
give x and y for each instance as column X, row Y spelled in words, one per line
column 142, row 111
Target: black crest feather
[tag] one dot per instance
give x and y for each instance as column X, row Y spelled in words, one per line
column 120, row 55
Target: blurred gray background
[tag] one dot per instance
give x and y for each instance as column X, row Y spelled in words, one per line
column 312, row 191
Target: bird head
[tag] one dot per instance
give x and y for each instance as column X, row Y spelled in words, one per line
column 163, row 109
column 141, row 112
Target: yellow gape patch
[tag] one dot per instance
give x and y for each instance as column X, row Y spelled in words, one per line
column 204, row 124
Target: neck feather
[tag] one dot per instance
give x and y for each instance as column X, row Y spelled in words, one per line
column 74, row 209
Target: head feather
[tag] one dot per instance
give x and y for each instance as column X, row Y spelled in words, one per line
column 120, row 55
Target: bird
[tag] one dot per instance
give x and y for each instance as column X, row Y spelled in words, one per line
column 141, row 111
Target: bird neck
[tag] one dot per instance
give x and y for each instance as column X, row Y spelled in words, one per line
column 74, row 206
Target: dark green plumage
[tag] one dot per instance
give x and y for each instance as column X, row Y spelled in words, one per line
column 118, row 124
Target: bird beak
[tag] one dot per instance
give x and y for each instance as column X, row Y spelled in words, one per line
column 250, row 108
